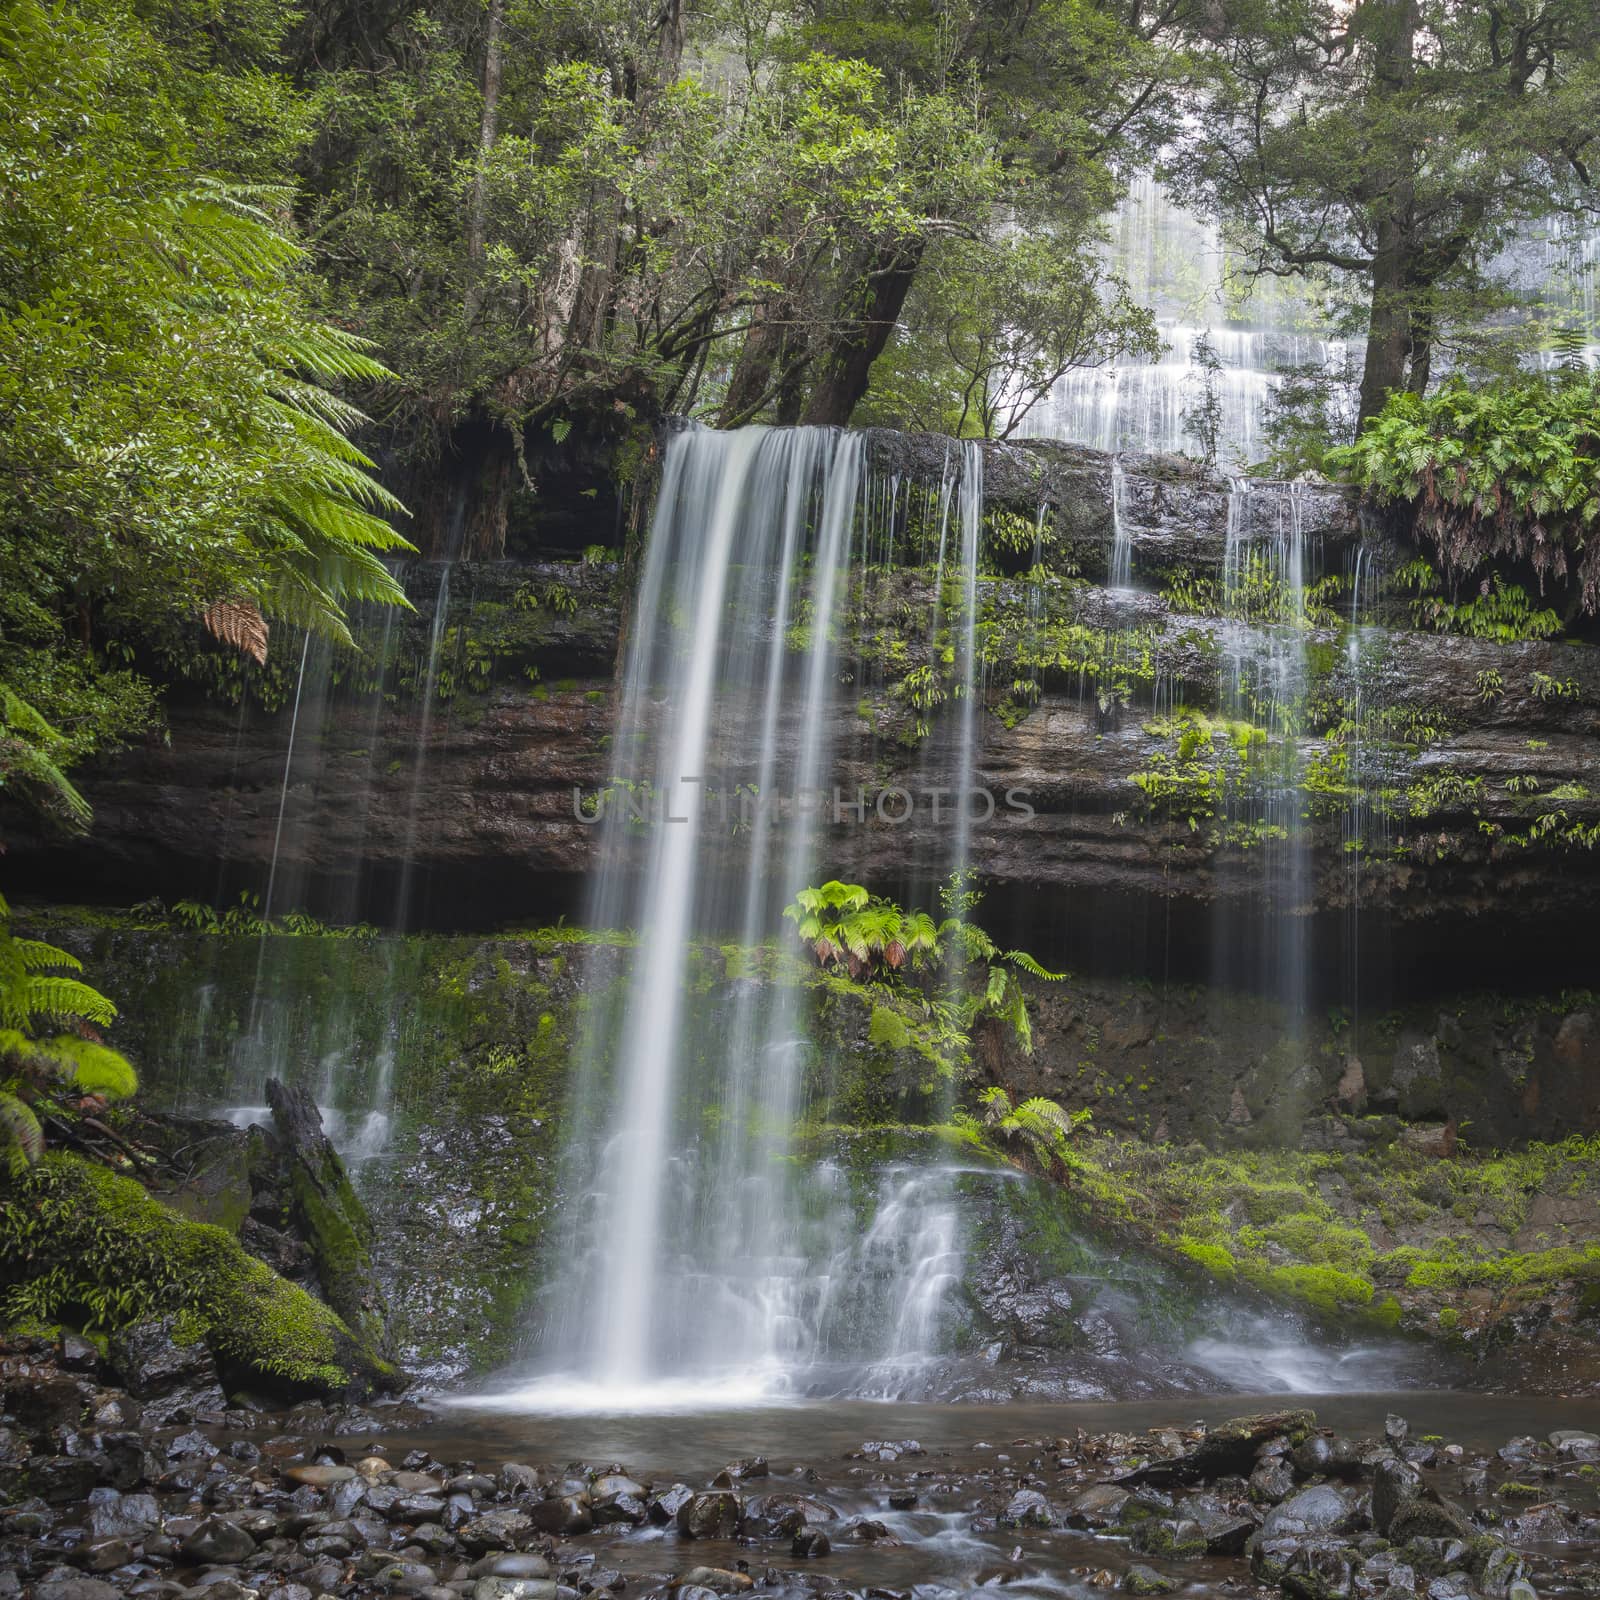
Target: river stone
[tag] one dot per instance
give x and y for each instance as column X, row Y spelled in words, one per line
column 713, row 1515
column 151, row 1362
column 1140, row 1579
column 520, row 1564
column 75, row 1589
column 1575, row 1442
column 615, row 1483
column 1319, row 1570
column 104, row 1555
column 565, row 1516
column 515, row 1478
column 810, row 1543
column 1319, row 1509
column 517, row 1589
column 1099, row 1506
column 1027, row 1508
column 216, row 1540
column 1272, row 1481
column 1225, row 1531
column 1500, row 1571
column 718, row 1579
column 495, row 1530
column 319, row 1475
column 417, row 1508
column 404, row 1577
column 664, row 1508
column 120, row 1516
column 416, row 1483
column 1430, row 1518
column 1313, row 1456
column 806, row 1506
column 1393, row 1483
column 347, row 1496
column 1270, row 1555
column 1175, row 1537
column 1231, row 1446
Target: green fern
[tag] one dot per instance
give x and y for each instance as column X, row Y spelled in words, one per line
column 69, row 1062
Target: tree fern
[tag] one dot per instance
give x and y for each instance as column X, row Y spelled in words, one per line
column 35, row 998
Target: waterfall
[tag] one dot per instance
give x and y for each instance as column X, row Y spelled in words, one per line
column 1120, row 572
column 295, row 1030
column 1177, row 264
column 1266, row 686
column 702, row 1250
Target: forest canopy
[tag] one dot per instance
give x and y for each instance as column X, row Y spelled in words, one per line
column 252, row 248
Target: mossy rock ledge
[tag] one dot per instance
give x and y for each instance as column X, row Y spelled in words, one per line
column 78, row 1242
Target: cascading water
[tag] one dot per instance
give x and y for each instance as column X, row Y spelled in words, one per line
column 289, row 1034
column 1120, row 571
column 704, row 1252
column 1265, row 688
column 1214, row 348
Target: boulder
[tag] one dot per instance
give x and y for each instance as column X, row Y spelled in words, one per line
column 1319, row 1509
column 217, row 1540
column 716, row 1514
column 151, row 1361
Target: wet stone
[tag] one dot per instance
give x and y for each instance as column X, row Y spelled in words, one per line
column 319, row 1475
column 1140, row 1579
column 516, row 1589
column 1319, row 1570
column 1099, row 1506
column 496, row 1530
column 218, row 1540
column 718, row 1579
column 1273, row 1480
column 666, row 1505
column 520, row 1564
column 1027, row 1508
column 1177, row 1538
column 565, row 1516
column 1319, row 1509
column 713, row 1515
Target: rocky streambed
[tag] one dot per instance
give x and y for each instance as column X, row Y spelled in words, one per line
column 144, row 1479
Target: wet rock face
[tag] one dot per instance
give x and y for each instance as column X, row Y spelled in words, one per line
column 482, row 806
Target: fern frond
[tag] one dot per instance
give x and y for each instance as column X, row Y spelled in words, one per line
column 92, row 1068
column 1021, row 958
column 66, row 999
column 239, row 623
column 21, row 1137
column 37, row 956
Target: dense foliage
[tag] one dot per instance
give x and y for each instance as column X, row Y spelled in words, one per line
column 169, row 442
column 949, row 972
column 1390, row 148
column 53, row 1062
column 1501, row 471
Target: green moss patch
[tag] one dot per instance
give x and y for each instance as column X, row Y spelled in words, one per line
column 79, row 1242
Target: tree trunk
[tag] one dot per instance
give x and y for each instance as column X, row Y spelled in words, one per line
column 846, row 367
column 476, row 202
column 1391, row 29
column 333, row 1219
column 766, row 349
column 1389, row 325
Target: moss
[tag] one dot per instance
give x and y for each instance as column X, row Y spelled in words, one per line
column 1324, row 1289
column 1217, row 1259
column 77, row 1238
